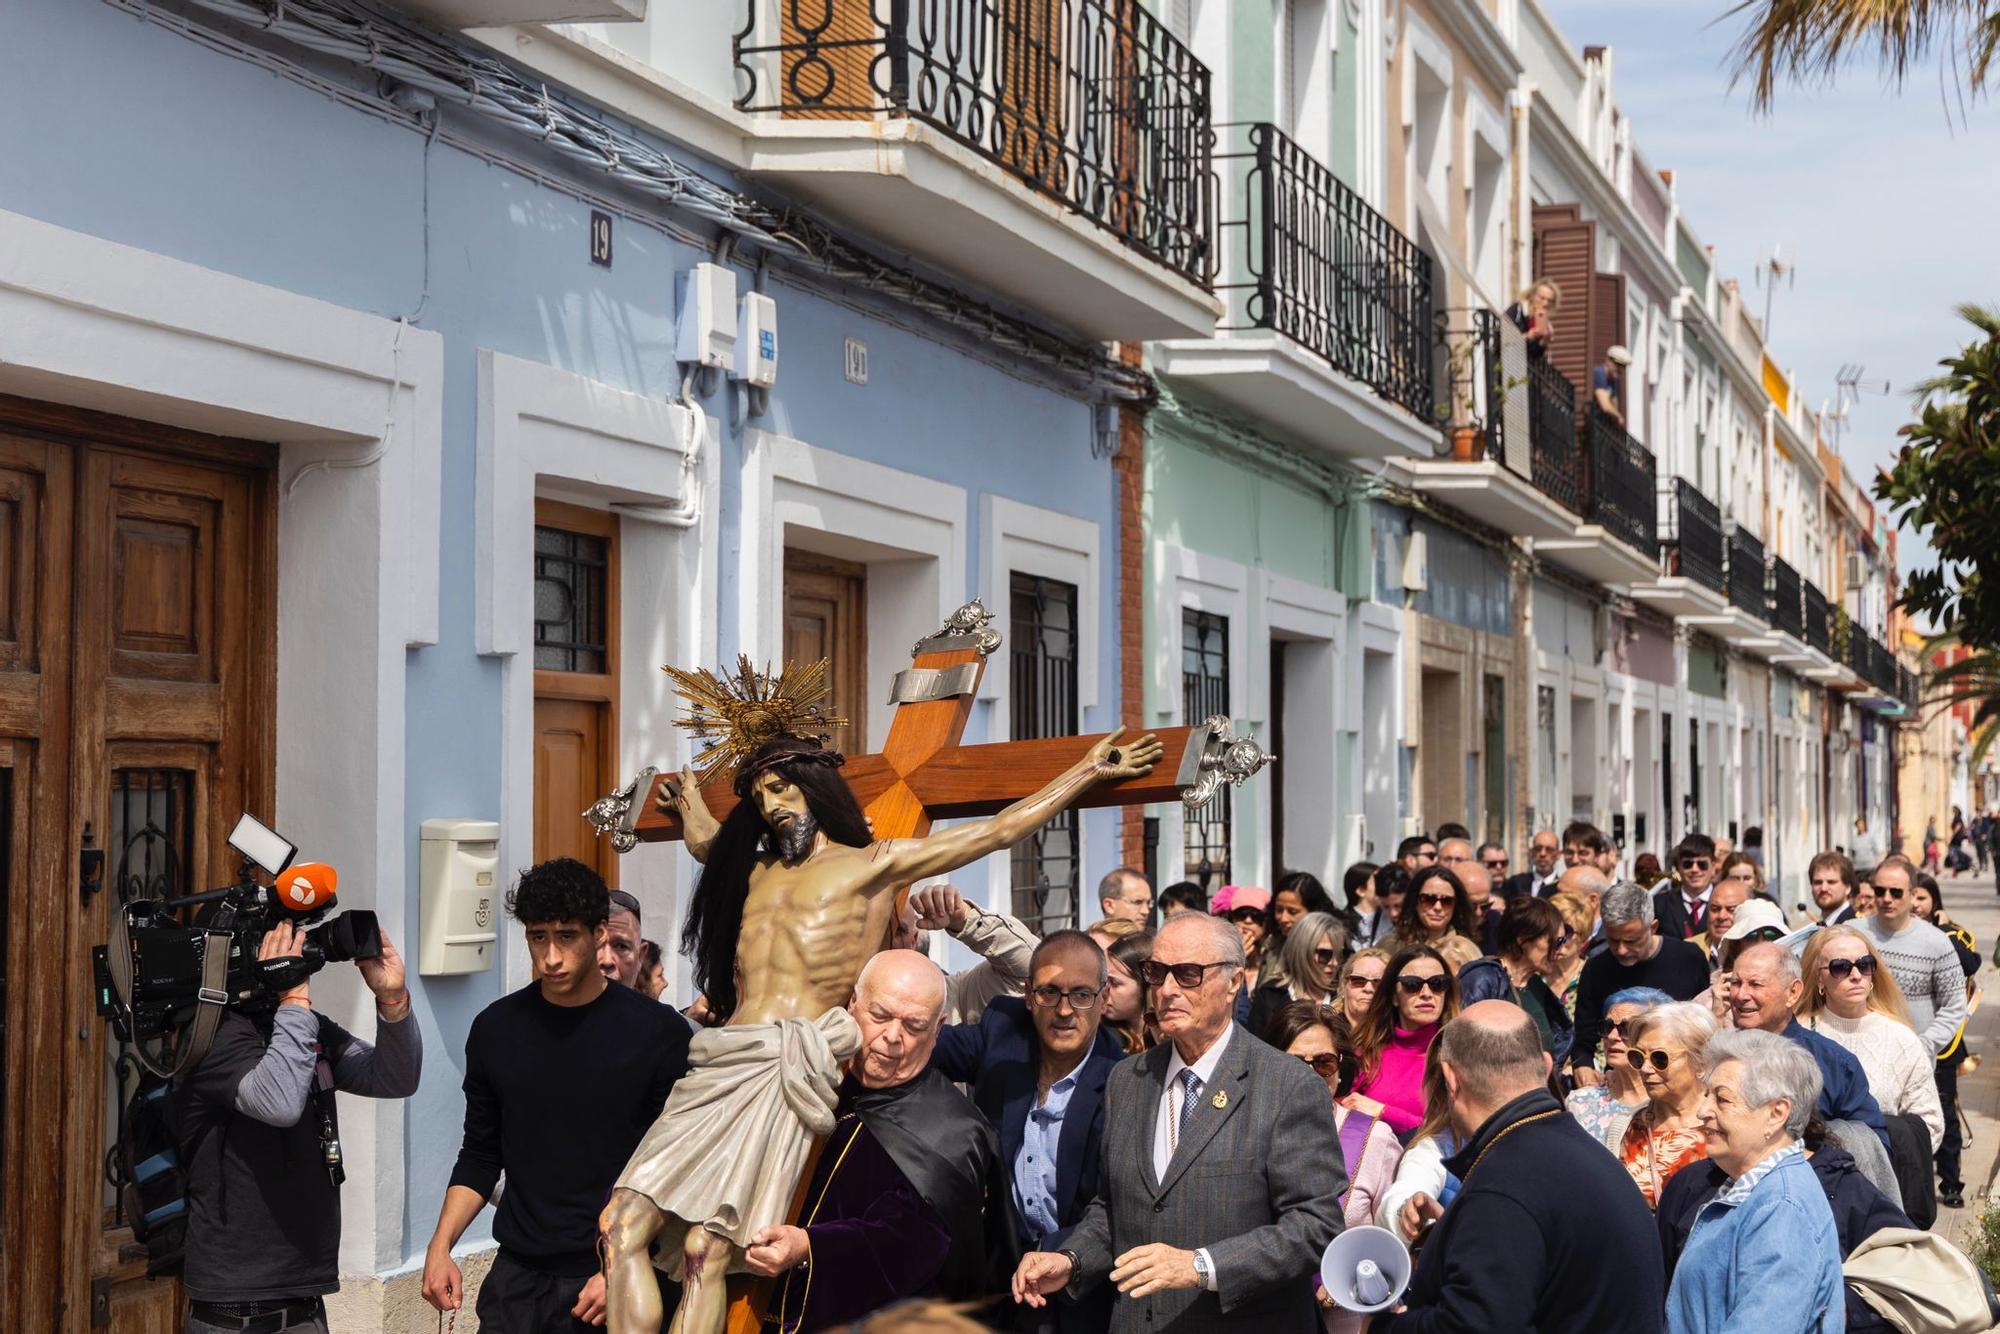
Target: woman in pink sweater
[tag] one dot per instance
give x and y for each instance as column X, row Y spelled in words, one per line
column 1418, row 996
column 1317, row 1034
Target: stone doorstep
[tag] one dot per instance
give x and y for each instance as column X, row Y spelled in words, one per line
column 395, row 1305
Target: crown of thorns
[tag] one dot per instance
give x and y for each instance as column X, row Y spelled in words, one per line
column 738, row 713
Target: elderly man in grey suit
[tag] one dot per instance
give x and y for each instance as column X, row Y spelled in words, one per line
column 1222, row 1169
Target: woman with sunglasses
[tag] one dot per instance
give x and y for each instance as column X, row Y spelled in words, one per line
column 1664, row 1046
column 1437, row 912
column 1307, row 968
column 1247, row 908
column 1317, row 1035
column 1125, row 995
column 1564, row 969
column 1529, row 930
column 1605, row 1109
column 1360, row 978
column 1851, row 996
column 1418, row 996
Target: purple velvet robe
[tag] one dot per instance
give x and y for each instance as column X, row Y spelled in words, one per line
column 875, row 1239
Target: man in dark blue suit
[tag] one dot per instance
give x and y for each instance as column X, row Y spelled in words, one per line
column 1036, row 1067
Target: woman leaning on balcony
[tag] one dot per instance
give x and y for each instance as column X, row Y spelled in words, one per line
column 1534, row 313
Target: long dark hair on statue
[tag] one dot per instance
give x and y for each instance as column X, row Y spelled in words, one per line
column 715, row 912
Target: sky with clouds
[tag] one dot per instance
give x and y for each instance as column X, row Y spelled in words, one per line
column 1886, row 199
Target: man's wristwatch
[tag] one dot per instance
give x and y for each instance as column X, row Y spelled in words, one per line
column 1201, row 1274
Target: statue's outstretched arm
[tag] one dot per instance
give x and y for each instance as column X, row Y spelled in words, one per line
column 901, row 861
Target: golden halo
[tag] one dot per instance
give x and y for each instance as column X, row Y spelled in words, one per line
column 736, row 713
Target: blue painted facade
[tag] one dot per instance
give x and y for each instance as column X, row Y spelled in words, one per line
column 144, row 137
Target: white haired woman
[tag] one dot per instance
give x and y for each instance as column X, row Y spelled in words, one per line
column 1664, row 1047
column 1763, row 1254
column 1851, row 996
column 1306, row 968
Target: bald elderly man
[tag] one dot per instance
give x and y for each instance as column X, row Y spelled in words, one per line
column 899, row 1197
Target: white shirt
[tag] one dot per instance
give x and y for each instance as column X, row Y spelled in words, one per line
column 1170, row 1108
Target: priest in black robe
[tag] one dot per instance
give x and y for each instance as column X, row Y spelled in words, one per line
column 897, row 1203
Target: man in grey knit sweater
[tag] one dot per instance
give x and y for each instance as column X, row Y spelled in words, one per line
column 1921, row 956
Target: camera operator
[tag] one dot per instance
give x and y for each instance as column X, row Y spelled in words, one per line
column 260, row 1141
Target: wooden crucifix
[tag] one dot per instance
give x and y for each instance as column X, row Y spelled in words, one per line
column 923, row 774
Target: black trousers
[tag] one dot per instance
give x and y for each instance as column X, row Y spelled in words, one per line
column 515, row 1299
column 1953, row 1142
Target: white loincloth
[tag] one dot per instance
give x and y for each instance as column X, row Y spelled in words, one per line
column 729, row 1148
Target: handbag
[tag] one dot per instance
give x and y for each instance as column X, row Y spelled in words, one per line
column 1921, row 1284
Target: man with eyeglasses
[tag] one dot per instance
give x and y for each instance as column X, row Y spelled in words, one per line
column 1417, row 852
column 1921, row 956
column 1493, row 857
column 1222, row 1168
column 1584, row 844
column 1680, row 908
column 1036, row 1066
column 1124, row 894
column 1544, row 868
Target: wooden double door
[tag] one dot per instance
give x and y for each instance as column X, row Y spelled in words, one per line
column 138, row 670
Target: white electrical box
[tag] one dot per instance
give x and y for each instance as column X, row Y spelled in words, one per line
column 757, row 341
column 707, row 330
column 459, row 871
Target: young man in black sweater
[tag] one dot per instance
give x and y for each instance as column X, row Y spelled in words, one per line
column 561, row 1079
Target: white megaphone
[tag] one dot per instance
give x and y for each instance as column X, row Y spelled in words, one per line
column 1365, row 1269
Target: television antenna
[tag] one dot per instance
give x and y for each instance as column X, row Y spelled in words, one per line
column 1849, row 386
column 1773, row 269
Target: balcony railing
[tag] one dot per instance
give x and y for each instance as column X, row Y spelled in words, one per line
column 1819, row 631
column 1749, row 580
column 1620, row 490
column 1327, row 271
column 1516, row 392
column 1788, row 608
column 1091, row 102
column 1696, row 544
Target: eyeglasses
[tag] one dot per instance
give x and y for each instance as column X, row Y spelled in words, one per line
column 1438, row 900
column 1079, row 998
column 1187, row 976
column 1359, row 981
column 1839, row 968
column 1324, row 955
column 1890, row 891
column 1340, row 1069
column 1246, row 915
column 1695, row 863
column 1326, row 1065
column 1412, row 984
column 1565, row 938
column 620, row 899
column 1659, row 1060
column 1495, row 863
column 1618, row 1029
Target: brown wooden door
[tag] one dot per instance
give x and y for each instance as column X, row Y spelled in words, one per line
column 576, row 679
column 826, row 616
column 139, row 670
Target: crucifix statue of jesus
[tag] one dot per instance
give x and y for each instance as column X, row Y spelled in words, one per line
column 798, row 890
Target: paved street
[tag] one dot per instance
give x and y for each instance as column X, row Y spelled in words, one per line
column 1972, row 902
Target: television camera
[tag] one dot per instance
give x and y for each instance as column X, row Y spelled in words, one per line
column 172, row 965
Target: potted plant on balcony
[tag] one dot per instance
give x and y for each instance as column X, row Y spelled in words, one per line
column 1459, row 415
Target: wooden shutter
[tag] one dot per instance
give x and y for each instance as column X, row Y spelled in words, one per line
column 1033, row 120
column 830, row 48
column 1566, row 254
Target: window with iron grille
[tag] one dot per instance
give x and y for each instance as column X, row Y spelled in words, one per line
column 570, row 593
column 1042, row 702
column 1205, row 693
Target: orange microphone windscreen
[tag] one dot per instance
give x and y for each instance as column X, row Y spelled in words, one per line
column 306, row 886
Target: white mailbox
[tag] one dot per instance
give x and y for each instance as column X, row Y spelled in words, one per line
column 459, row 867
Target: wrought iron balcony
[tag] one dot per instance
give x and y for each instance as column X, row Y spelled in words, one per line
column 1619, row 495
column 1819, row 630
column 1749, row 580
column 1090, row 102
column 1695, row 544
column 1788, row 608
column 1325, row 270
column 1515, row 394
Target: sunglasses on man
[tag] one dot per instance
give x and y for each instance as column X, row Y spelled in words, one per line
column 1495, row 863
column 1890, row 891
column 1695, row 863
column 1187, row 976
column 1412, row 984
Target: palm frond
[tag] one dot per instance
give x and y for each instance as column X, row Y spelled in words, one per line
column 1807, row 40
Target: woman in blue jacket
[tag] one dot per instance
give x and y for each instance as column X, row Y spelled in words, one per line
column 1763, row 1254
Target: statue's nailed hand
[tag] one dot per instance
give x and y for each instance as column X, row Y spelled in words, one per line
column 1116, row 759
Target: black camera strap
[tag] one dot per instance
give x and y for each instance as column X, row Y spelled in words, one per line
column 329, row 1125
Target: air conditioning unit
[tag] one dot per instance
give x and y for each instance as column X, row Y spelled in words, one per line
column 1417, row 563
column 1857, row 570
